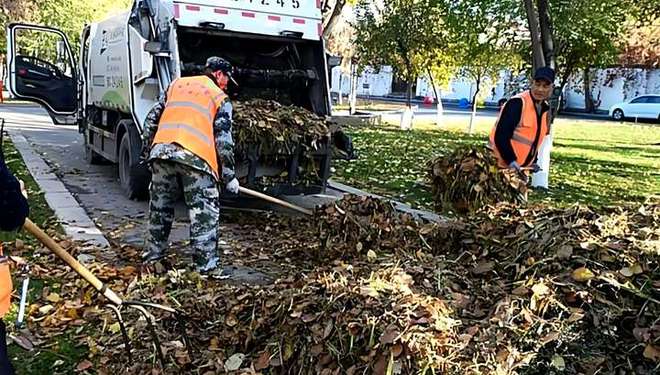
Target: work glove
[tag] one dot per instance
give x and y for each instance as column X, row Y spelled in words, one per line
column 232, row 186
column 515, row 166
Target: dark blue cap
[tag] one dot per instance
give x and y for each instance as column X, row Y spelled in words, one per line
column 545, row 73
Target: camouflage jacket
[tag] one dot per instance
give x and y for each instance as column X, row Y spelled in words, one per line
column 224, row 142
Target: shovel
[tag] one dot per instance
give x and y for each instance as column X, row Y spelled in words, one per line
column 117, row 304
column 280, row 202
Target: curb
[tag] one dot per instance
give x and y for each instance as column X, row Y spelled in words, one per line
column 73, row 218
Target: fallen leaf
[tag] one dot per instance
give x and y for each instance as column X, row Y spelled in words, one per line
column 637, row 269
column 397, row 349
column 45, row 309
column 231, row 320
column 520, row 291
column 483, row 267
column 23, row 342
column 540, row 289
column 389, row 336
column 627, row 272
column 371, row 256
column 234, row 362
column 558, row 362
column 263, row 361
column 565, row 252
column 652, row 352
column 550, row 337
column 53, row 297
column 582, row 274
column 114, row 327
column 84, row 365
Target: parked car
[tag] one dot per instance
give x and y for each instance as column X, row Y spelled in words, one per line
column 643, row 106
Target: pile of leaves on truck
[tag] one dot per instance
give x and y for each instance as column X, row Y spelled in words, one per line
column 273, row 131
column 361, row 288
column 468, row 179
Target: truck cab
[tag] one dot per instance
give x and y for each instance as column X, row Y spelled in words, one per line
column 127, row 61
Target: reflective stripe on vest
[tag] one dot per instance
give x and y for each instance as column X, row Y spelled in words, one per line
column 194, row 106
column 525, row 134
column 187, row 120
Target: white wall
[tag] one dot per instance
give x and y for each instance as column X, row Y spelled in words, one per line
column 379, row 83
column 626, row 84
column 459, row 88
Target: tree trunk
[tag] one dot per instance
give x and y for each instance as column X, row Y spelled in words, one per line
column 535, row 35
column 352, row 99
column 546, row 34
column 566, row 74
column 409, row 92
column 474, row 105
column 438, row 96
column 331, row 17
column 541, row 44
column 340, row 100
column 588, row 97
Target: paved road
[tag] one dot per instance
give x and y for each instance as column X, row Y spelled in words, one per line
column 96, row 187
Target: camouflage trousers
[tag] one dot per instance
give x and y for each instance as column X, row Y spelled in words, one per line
column 201, row 195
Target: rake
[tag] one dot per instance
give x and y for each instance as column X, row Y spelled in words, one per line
column 117, row 304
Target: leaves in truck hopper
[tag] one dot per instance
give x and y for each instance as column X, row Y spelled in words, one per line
column 278, row 132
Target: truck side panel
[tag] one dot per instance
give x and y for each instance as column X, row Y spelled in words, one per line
column 109, row 87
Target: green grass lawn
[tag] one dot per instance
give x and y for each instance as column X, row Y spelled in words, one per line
column 593, row 162
column 60, row 354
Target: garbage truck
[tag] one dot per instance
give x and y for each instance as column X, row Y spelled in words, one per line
column 128, row 60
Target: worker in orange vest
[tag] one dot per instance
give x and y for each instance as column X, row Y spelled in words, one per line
column 14, row 208
column 189, row 145
column 523, row 124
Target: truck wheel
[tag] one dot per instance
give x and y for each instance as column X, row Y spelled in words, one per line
column 134, row 178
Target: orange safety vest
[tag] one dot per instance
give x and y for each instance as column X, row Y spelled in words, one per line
column 6, row 286
column 523, row 140
column 192, row 103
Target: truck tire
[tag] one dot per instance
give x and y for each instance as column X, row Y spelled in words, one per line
column 134, row 178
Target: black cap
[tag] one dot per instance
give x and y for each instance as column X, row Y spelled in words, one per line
column 215, row 63
column 545, row 73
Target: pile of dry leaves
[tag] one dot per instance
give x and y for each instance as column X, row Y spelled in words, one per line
column 276, row 129
column 271, row 133
column 363, row 289
column 468, row 179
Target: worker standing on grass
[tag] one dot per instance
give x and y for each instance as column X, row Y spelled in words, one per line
column 188, row 138
column 523, row 124
column 14, row 209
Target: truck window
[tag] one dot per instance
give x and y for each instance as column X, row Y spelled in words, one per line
column 44, row 53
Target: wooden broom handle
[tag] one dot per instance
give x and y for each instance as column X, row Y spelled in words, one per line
column 274, row 200
column 71, row 261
